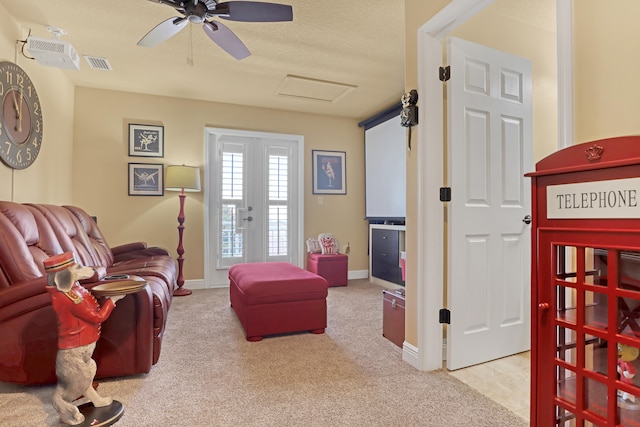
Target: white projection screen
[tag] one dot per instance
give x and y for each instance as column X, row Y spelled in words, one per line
column 385, row 170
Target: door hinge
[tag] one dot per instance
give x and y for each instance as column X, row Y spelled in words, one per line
column 445, row 73
column 445, row 194
column 445, row 316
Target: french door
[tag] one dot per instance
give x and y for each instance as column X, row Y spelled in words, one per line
column 253, row 200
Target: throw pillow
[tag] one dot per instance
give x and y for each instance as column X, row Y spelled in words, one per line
column 328, row 243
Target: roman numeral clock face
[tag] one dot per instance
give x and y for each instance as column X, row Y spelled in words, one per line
column 21, row 118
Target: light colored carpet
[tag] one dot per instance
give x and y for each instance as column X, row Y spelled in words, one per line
column 209, row 375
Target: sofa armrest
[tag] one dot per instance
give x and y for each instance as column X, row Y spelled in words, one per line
column 128, row 247
column 126, row 345
column 22, row 291
column 135, row 251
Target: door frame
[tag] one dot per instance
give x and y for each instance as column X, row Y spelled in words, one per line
column 210, row 134
column 427, row 354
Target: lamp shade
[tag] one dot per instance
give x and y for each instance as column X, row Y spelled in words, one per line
column 181, row 177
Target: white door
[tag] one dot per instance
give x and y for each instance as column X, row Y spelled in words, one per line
column 489, row 131
column 253, row 212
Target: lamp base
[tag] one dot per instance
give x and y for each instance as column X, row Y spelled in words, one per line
column 182, row 292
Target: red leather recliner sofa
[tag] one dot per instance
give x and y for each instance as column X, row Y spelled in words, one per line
column 130, row 339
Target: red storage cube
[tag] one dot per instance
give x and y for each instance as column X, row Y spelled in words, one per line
column 333, row 267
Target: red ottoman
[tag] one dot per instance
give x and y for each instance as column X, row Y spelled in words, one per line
column 333, row 267
column 276, row 298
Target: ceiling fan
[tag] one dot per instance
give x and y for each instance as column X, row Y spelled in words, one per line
column 201, row 12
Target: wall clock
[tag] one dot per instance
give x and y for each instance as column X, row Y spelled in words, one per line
column 20, row 118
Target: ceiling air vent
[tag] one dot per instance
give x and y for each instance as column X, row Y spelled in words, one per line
column 98, row 63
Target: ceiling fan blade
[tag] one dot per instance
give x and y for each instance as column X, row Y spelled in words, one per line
column 249, row 11
column 163, row 31
column 172, row 3
column 226, row 39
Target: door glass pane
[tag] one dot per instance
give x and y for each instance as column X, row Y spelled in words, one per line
column 595, row 354
column 231, row 238
column 566, row 263
column 566, row 304
column 566, row 384
column 630, row 270
column 565, row 418
column 596, row 397
column 566, row 348
column 596, row 310
column 232, row 174
column 600, row 266
column 278, row 178
column 278, row 235
column 627, row 367
column 629, row 303
column 232, row 194
column 628, row 408
column 629, row 316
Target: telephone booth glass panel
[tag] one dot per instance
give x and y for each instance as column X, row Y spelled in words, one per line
column 596, row 364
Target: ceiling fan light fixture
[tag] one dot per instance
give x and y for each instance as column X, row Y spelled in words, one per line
column 196, row 12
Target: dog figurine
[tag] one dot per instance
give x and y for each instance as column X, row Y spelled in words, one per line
column 79, row 318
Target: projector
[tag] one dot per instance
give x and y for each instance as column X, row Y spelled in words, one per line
column 53, row 53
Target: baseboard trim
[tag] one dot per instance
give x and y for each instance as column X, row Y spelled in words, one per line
column 410, row 355
column 195, row 284
column 358, row 274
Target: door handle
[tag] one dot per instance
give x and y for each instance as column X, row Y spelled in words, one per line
column 240, row 218
column 527, row 219
column 543, row 306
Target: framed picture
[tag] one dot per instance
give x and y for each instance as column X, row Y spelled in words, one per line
column 146, row 140
column 146, row 179
column 329, row 172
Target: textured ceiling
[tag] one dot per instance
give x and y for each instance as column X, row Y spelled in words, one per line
column 348, row 54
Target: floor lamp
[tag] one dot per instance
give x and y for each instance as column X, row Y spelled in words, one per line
column 183, row 179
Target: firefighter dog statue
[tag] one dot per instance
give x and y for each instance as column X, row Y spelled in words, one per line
column 79, row 318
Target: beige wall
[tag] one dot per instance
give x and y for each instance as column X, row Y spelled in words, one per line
column 48, row 180
column 494, row 29
column 83, row 159
column 606, row 69
column 101, row 158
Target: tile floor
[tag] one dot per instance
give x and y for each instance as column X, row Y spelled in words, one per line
column 505, row 381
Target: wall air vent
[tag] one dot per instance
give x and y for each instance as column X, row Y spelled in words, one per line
column 98, row 63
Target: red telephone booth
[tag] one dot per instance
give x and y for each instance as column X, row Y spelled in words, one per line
column 586, row 286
